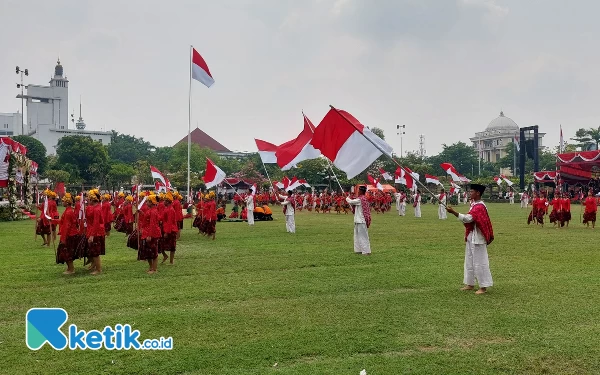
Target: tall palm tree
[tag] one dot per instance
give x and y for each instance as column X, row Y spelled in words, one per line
column 586, row 137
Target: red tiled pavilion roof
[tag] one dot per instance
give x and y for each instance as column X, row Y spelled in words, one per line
column 204, row 140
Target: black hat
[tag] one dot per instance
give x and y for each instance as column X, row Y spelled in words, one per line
column 362, row 188
column 479, row 188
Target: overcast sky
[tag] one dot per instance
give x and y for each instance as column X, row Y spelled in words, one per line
column 445, row 68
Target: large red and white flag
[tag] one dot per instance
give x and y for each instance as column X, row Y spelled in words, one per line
column 347, row 142
column 200, row 71
column 375, row 182
column 266, row 151
column 213, row 174
column 386, row 176
column 498, row 180
column 508, row 182
column 456, row 177
column 432, row 179
column 158, row 175
column 299, row 149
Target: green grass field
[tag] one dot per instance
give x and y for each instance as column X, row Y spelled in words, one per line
column 260, row 301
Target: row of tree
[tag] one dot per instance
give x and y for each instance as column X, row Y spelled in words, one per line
column 127, row 159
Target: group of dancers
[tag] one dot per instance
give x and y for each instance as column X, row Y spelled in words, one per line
column 151, row 229
column 560, row 214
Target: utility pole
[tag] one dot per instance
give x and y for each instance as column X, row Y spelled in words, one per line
column 22, row 86
column 400, row 131
column 422, row 150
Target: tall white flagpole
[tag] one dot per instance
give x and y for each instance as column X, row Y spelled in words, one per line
column 189, row 193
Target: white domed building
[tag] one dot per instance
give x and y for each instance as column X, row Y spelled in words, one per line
column 500, row 132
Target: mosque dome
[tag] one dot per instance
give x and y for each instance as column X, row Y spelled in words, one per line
column 58, row 70
column 502, row 123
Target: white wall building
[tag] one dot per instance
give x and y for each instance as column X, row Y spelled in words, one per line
column 48, row 113
column 10, row 124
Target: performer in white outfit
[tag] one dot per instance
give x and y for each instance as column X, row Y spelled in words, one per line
column 465, row 198
column 362, row 221
column 511, row 196
column 288, row 210
column 524, row 199
column 250, row 206
column 417, row 203
column 402, row 204
column 479, row 234
column 442, row 198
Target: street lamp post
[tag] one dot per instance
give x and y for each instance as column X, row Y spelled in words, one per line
column 400, row 131
column 22, row 86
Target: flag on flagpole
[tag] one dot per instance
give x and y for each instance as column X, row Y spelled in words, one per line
column 508, row 182
column 432, row 179
column 299, row 149
column 404, row 178
column 158, row 175
column 200, row 71
column 516, row 142
column 375, row 182
column 213, row 174
column 498, row 180
column 456, row 177
column 348, row 143
column 266, row 151
column 386, row 176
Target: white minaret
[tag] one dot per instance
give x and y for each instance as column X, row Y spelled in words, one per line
column 60, row 93
column 80, row 125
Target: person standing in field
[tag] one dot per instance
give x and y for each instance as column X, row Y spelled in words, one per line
column 362, row 221
column 590, row 209
column 288, row 211
column 417, row 203
column 250, row 206
column 479, row 233
column 442, row 198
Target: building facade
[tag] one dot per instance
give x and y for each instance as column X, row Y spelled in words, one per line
column 48, row 113
column 499, row 133
column 10, row 124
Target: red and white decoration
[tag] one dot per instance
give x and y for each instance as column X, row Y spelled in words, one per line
column 347, row 142
column 266, row 151
column 454, row 188
column 386, row 176
column 432, row 179
column 158, row 175
column 213, row 174
column 405, row 176
column 498, row 180
column 200, row 71
column 508, row 182
column 456, row 177
column 299, row 149
column 375, row 182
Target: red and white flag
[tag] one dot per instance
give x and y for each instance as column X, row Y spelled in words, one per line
column 432, row 179
column 454, row 188
column 386, row 176
column 508, row 182
column 374, row 182
column 213, row 174
column 157, row 174
column 456, row 177
column 278, row 184
column 200, row 71
column 299, row 149
column 516, row 142
column 266, row 151
column 347, row 142
column 498, row 180
column 404, row 178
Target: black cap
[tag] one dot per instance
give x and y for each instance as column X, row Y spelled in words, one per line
column 479, row 188
column 362, row 188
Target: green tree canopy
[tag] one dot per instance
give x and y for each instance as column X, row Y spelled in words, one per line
column 36, row 151
column 586, row 137
column 83, row 157
column 120, row 174
column 128, row 149
column 55, row 176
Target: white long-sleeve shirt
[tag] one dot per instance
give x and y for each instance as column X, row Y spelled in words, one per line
column 359, row 217
column 249, row 203
column 477, row 237
column 287, row 201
